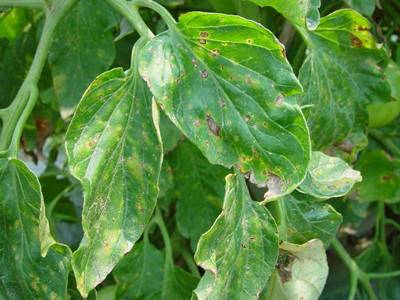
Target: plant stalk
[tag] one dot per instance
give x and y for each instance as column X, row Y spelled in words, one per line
column 131, row 13
column 356, row 273
column 15, row 116
column 23, row 3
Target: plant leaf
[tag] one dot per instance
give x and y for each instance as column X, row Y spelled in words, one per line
column 114, row 150
column 223, row 83
column 24, row 273
column 240, row 250
column 366, row 7
column 200, row 191
column 301, row 274
column 306, row 218
column 178, row 285
column 82, row 48
column 328, row 177
column 303, row 13
column 381, row 178
column 140, row 272
column 341, row 76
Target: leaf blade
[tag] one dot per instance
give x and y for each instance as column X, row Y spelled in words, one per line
column 240, row 250
column 119, row 174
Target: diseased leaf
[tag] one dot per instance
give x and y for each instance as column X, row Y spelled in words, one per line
column 366, row 7
column 82, row 48
column 114, row 150
column 381, row 178
column 306, row 218
column 303, row 13
column 24, row 273
column 200, row 191
column 140, row 272
column 223, row 80
column 301, row 274
column 240, row 250
column 328, row 177
column 341, row 76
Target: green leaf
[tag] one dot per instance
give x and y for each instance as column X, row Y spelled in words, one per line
column 381, row 178
column 303, row 13
column 393, row 75
column 82, row 48
column 14, row 64
column 328, row 177
column 178, row 285
column 366, row 7
column 12, row 23
column 240, row 250
column 169, row 133
column 223, row 83
column 301, row 274
column 24, row 273
column 306, row 218
column 341, row 76
column 114, row 150
column 200, row 191
column 140, row 272
column 381, row 114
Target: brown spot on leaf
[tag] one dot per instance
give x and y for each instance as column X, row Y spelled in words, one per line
column 194, row 62
column 283, row 51
column 243, row 245
column 249, row 41
column 362, row 28
column 204, row 74
column 386, row 178
column 215, row 52
column 355, row 41
column 202, row 41
column 214, row 128
column 204, row 34
column 247, row 118
column 279, row 100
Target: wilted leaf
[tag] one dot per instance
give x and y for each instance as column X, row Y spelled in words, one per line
column 328, row 177
column 82, row 48
column 341, row 76
column 303, row 13
column 240, row 250
column 301, row 274
column 200, row 191
column 114, row 150
column 223, row 80
column 24, row 273
column 381, row 178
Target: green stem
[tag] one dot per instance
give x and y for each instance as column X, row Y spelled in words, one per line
column 278, row 212
column 393, row 223
column 169, row 259
column 25, row 100
column 23, row 3
column 164, row 13
column 187, row 256
column 355, row 271
column 53, row 203
column 388, row 144
column 131, row 13
column 383, row 275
